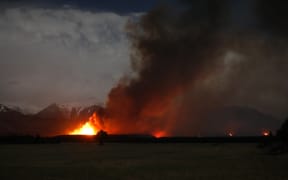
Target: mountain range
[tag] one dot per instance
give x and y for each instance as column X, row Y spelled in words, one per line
column 53, row 120
column 241, row 121
column 58, row 119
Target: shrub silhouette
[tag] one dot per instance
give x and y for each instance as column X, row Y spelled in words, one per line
column 282, row 133
column 281, row 145
column 100, row 137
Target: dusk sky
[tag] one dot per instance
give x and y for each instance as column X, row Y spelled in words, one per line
column 63, row 51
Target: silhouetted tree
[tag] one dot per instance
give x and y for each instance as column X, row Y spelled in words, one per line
column 281, row 146
column 282, row 133
column 37, row 139
column 270, row 134
column 101, row 136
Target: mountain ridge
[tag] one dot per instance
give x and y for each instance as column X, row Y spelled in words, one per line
column 56, row 119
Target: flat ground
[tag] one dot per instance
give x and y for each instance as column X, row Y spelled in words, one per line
column 140, row 161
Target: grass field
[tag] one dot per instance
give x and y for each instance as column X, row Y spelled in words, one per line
column 140, row 161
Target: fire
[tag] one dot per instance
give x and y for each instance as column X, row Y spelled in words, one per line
column 91, row 127
column 230, row 133
column 159, row 134
column 266, row 133
column 86, row 129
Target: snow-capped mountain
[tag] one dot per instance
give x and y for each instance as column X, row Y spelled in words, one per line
column 11, row 108
column 54, row 119
column 4, row 108
column 56, row 110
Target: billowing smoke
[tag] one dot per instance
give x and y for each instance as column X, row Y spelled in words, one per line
column 190, row 61
column 169, row 57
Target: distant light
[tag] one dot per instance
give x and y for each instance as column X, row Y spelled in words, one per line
column 230, row 134
column 266, row 133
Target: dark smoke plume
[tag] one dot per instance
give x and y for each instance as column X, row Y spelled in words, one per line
column 190, row 61
column 169, row 56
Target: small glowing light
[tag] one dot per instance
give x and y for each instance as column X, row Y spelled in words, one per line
column 266, row 133
column 159, row 134
column 230, row 134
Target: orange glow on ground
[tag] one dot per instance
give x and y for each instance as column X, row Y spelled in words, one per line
column 86, row 129
column 159, row 134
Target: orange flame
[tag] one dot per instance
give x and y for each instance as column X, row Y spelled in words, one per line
column 159, row 134
column 86, row 129
column 91, row 127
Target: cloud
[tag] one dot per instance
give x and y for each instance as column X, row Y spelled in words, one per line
column 60, row 55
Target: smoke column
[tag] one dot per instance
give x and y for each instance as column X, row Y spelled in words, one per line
column 169, row 55
column 182, row 59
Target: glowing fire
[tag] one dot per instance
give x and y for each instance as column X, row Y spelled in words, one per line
column 230, row 133
column 159, row 134
column 91, row 127
column 266, row 133
column 86, row 129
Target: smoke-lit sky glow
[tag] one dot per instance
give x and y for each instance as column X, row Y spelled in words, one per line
column 190, row 59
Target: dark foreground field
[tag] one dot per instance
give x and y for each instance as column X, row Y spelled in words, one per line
column 140, row 161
